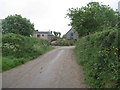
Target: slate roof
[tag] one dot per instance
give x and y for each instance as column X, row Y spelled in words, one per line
column 45, row 32
column 68, row 31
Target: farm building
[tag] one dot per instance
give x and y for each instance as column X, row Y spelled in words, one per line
column 71, row 34
column 47, row 35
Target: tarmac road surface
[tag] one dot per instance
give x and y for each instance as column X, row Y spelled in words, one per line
column 55, row 69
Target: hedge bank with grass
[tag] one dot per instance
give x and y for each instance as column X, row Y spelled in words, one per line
column 66, row 43
column 18, row 49
column 99, row 54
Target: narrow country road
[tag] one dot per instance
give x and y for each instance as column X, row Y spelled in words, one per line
column 55, row 69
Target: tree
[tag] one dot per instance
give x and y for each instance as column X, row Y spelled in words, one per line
column 57, row 34
column 118, row 25
column 64, row 36
column 18, row 25
column 92, row 18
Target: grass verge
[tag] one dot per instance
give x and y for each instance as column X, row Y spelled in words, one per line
column 17, row 50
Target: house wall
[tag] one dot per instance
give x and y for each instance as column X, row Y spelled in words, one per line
column 42, row 36
column 75, row 35
column 71, row 34
column 35, row 35
column 50, row 38
column 68, row 35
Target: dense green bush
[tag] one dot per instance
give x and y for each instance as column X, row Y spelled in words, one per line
column 93, row 17
column 66, row 42
column 18, row 49
column 99, row 54
column 18, row 25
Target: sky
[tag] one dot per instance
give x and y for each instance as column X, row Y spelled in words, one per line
column 47, row 14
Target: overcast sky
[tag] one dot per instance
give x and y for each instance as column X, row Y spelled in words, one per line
column 46, row 14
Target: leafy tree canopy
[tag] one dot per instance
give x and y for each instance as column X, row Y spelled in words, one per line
column 92, row 18
column 18, row 25
column 57, row 34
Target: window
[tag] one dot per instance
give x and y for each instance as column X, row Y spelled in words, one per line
column 43, row 35
column 71, row 35
column 38, row 35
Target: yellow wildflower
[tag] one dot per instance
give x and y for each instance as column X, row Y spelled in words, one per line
column 106, row 54
column 115, row 53
column 116, row 48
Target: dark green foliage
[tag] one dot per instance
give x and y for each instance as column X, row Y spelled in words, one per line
column 99, row 54
column 18, row 25
column 11, row 62
column 99, row 50
column 57, row 34
column 118, row 24
column 91, row 18
column 66, row 43
column 18, row 49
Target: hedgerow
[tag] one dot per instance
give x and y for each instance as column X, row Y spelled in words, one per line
column 18, row 49
column 66, row 42
column 99, row 53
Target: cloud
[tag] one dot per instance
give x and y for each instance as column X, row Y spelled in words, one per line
column 46, row 14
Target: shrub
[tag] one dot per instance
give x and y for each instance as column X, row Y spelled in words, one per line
column 99, row 54
column 66, row 43
column 18, row 49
